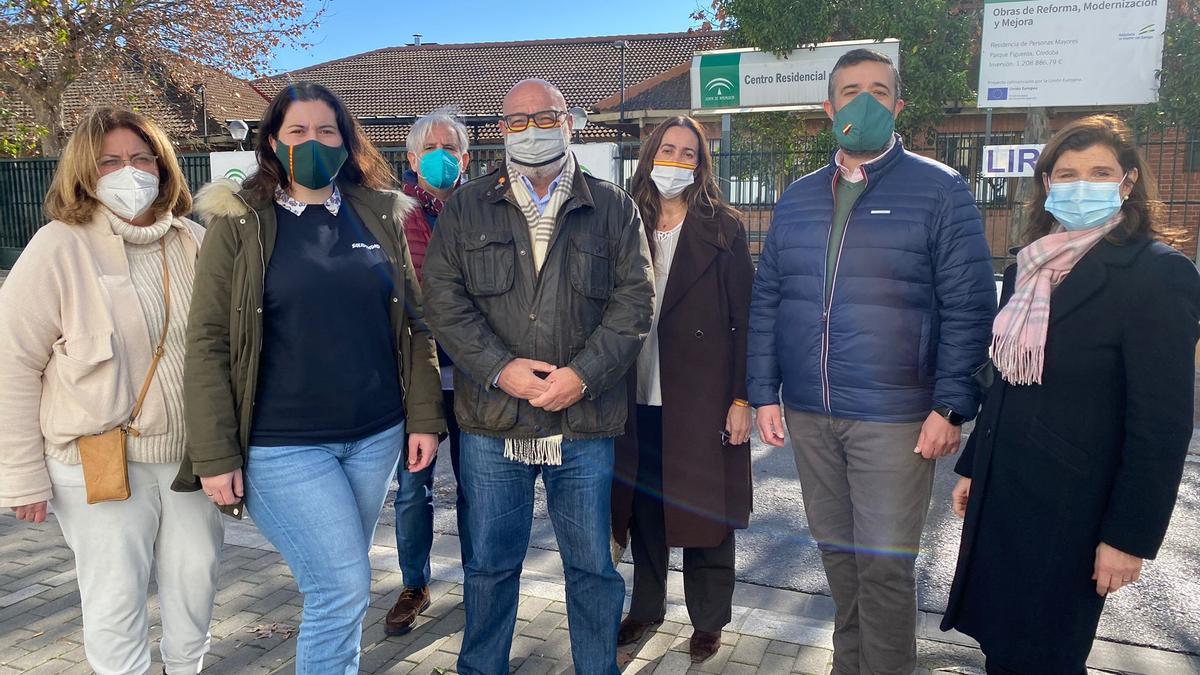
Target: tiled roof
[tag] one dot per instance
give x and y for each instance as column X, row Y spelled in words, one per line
column 410, row 81
column 178, row 112
column 671, row 90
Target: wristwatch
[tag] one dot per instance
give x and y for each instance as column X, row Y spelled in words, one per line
column 951, row 416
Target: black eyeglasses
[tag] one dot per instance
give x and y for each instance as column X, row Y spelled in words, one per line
column 545, row 119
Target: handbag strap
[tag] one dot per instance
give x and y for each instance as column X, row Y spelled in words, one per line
column 162, row 340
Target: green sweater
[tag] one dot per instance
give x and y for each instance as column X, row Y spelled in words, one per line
column 844, row 198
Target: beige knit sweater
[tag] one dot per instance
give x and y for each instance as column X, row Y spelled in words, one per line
column 146, row 272
column 80, row 313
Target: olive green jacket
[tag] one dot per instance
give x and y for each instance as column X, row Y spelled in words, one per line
column 224, row 335
column 589, row 307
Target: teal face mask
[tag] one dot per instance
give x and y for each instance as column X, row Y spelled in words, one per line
column 863, row 124
column 439, row 168
column 311, row 164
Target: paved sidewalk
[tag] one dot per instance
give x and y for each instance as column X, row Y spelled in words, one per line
column 772, row 632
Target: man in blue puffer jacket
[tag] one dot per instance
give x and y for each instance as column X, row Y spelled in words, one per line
column 872, row 307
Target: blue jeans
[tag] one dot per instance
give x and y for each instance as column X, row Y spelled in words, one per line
column 500, row 493
column 414, row 510
column 318, row 504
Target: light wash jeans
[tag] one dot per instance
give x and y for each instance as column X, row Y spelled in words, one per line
column 318, row 504
column 500, row 494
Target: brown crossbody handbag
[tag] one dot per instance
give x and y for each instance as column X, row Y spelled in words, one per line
column 105, row 467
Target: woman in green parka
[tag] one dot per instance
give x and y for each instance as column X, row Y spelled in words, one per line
column 309, row 362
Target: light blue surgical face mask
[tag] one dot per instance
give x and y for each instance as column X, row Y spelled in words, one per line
column 1082, row 205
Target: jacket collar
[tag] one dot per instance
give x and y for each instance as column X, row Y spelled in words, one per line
column 581, row 194
column 877, row 167
column 699, row 245
column 1090, row 274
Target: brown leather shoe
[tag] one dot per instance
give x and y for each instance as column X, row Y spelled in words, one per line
column 633, row 631
column 403, row 614
column 703, row 645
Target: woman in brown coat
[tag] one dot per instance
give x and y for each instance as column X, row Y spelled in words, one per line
column 683, row 465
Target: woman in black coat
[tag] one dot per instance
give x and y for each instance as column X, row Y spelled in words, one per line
column 1072, row 471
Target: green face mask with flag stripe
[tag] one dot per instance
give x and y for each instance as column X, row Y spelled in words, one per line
column 311, row 163
column 863, row 124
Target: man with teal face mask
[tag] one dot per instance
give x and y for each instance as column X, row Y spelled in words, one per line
column 872, row 307
column 437, row 152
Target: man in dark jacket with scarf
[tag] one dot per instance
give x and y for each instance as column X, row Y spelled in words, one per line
column 538, row 285
column 872, row 307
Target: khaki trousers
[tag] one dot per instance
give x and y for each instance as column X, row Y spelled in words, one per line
column 866, row 495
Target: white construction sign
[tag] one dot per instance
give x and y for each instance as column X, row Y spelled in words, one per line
column 1070, row 52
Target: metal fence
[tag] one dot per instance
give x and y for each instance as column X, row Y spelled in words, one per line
column 25, row 182
column 756, row 178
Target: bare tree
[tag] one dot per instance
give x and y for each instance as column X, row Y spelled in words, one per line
column 46, row 45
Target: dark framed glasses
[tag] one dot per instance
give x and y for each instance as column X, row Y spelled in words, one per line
column 545, row 119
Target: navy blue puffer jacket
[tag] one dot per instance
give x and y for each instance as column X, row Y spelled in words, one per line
column 912, row 302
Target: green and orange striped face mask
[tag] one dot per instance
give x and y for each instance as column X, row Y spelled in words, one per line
column 311, row 164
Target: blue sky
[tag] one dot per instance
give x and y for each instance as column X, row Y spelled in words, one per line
column 356, row 26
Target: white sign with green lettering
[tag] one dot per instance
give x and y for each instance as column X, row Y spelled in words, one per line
column 1070, row 52
column 742, row 79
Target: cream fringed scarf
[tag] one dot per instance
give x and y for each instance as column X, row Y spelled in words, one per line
column 546, row 450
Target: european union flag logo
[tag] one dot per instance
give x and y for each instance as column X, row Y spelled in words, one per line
column 997, row 94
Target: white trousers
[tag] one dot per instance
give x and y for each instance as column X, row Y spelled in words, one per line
column 178, row 535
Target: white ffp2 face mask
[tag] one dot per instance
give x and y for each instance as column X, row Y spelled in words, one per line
column 672, row 178
column 128, row 192
column 536, row 147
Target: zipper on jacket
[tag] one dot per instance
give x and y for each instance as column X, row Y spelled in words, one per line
column 252, row 390
column 827, row 293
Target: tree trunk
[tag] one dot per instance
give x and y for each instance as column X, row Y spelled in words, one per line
column 1037, row 130
column 45, row 116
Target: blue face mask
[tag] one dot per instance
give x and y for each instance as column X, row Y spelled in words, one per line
column 1082, row 205
column 439, row 168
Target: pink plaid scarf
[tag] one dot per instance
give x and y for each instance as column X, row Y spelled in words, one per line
column 1019, row 332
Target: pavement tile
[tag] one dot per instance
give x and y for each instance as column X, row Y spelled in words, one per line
column 542, row 625
column 784, row 648
column 436, row 662
column 422, row 646
column 29, row 591
column 557, row 645
column 749, row 650
column 536, row 665
column 776, row 664
column 674, row 663
column 813, row 661
column 530, row 607
column 523, row 647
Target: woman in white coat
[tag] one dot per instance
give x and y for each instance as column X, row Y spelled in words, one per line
column 92, row 322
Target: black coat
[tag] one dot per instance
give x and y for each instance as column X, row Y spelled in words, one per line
column 702, row 354
column 1095, row 453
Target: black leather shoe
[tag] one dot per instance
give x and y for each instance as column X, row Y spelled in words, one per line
column 633, row 631
column 703, row 645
